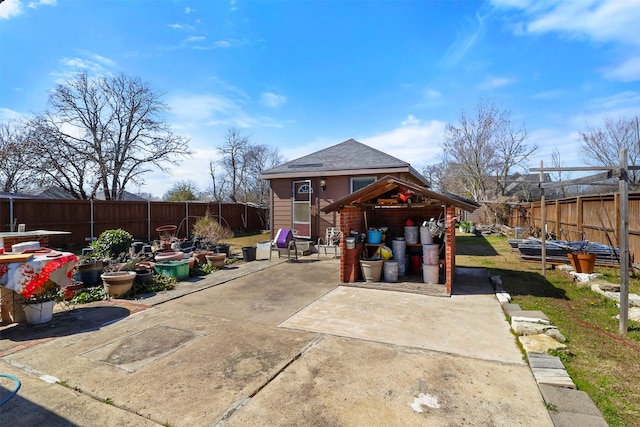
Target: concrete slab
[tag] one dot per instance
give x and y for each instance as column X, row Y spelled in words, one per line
column 41, row 403
column 468, row 325
column 393, row 386
column 268, row 296
column 193, row 385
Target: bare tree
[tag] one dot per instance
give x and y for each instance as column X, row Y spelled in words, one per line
column 601, row 146
column 17, row 155
column 557, row 162
column 485, row 145
column 510, row 149
column 236, row 176
column 104, row 134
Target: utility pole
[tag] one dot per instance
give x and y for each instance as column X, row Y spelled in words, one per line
column 543, row 214
column 624, row 243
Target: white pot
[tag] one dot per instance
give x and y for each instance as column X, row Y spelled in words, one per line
column 40, row 312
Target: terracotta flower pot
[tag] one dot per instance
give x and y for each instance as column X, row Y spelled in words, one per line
column 216, row 260
column 201, row 256
column 118, row 283
column 583, row 263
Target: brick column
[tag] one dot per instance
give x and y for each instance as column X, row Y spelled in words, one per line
column 350, row 219
column 450, row 249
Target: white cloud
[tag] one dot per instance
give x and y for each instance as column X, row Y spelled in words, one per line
column 35, row 4
column 432, row 94
column 599, row 21
column 416, row 142
column 196, row 39
column 7, row 115
column 495, row 82
column 10, row 8
column 463, row 43
column 411, row 121
column 549, row 94
column 272, row 100
column 627, row 71
column 188, row 10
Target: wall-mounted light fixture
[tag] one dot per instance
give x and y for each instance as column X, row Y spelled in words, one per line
column 323, row 183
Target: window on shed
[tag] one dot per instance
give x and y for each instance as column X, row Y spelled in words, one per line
column 361, row 181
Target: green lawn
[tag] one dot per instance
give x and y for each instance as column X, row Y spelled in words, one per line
column 600, row 362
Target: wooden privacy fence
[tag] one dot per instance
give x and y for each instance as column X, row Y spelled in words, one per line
column 596, row 216
column 86, row 219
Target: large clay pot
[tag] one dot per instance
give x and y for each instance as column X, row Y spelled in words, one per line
column 371, row 270
column 583, row 263
column 118, row 283
column 201, row 256
column 216, row 260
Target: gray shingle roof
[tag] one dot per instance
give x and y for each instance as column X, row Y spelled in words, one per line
column 348, row 155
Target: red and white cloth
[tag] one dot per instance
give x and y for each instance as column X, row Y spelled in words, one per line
column 27, row 278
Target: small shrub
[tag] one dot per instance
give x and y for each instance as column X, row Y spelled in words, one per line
column 88, row 295
column 112, row 244
column 208, row 228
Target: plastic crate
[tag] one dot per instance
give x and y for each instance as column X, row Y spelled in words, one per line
column 177, row 269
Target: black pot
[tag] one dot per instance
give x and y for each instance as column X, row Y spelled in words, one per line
column 249, row 253
column 89, row 273
column 223, row 248
column 144, row 276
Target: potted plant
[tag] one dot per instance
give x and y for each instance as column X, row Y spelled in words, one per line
column 580, row 258
column 209, row 229
column 39, row 307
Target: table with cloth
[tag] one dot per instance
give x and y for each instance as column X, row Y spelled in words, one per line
column 33, row 276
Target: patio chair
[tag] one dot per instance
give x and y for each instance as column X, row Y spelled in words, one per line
column 331, row 241
column 285, row 239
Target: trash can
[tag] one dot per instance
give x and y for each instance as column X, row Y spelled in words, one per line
column 249, row 253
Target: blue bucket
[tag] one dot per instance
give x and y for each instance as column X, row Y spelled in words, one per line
column 374, row 236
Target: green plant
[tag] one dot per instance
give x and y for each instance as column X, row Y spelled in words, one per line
column 210, row 229
column 112, row 244
column 466, row 226
column 48, row 292
column 159, row 282
column 88, row 295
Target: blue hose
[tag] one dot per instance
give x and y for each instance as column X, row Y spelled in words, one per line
column 15, row 390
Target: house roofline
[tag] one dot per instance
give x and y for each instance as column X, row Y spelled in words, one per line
column 362, row 171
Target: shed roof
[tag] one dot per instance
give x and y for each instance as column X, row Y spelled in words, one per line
column 350, row 155
column 390, row 183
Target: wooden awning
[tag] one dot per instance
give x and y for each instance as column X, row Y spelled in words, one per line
column 371, row 193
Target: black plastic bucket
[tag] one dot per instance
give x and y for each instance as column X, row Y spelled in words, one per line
column 249, row 253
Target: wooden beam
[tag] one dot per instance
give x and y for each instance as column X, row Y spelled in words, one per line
column 579, row 181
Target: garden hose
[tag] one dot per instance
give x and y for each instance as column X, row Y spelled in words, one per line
column 15, row 390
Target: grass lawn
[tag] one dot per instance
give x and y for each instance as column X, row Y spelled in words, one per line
column 600, row 362
column 237, row 243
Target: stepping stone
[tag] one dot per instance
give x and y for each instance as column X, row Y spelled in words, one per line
column 571, row 407
column 509, row 308
column 503, row 297
column 533, row 316
column 551, row 376
column 540, row 343
column 530, row 328
column 544, row 361
column 606, row 287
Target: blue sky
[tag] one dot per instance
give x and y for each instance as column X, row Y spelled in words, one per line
column 304, row 75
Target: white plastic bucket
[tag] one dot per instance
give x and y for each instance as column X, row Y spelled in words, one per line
column 430, row 254
column 411, row 234
column 430, row 273
column 402, row 266
column 425, row 235
column 391, row 271
column 351, row 242
column 398, row 247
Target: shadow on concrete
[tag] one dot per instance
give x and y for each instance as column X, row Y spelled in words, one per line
column 64, row 323
column 471, row 281
column 29, row 413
